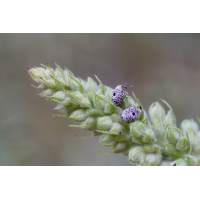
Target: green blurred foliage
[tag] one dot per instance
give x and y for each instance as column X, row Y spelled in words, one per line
column 156, row 65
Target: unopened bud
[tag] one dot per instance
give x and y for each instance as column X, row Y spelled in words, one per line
column 50, row 83
column 172, row 134
column 183, row 144
column 129, row 102
column 89, row 124
column 107, row 140
column 58, row 73
column 47, row 92
column 120, row 147
column 156, row 112
column 99, row 102
column 152, row 159
column 153, row 155
column 169, row 118
column 105, row 123
column 191, row 161
column 189, row 126
column 74, row 83
column 91, row 85
column 60, row 108
column 67, row 101
column 100, row 90
column 117, row 128
column 78, row 115
column 117, row 118
column 78, row 99
column 158, row 128
column 37, row 73
column 136, row 155
column 42, row 86
column 109, row 108
column 108, row 92
column 60, row 95
column 141, row 134
column 192, row 128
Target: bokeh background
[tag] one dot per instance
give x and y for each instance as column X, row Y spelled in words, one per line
column 156, row 65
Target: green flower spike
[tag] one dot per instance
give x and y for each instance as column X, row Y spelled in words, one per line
column 153, row 139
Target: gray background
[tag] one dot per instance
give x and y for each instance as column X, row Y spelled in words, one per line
column 157, row 65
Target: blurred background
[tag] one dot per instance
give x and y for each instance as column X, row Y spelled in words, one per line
column 157, row 65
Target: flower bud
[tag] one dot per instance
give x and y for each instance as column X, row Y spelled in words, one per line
column 47, row 92
column 58, row 72
column 42, row 86
column 182, row 144
column 152, row 159
column 158, row 128
column 91, row 85
column 66, row 109
column 107, row 140
column 105, row 123
column 169, row 118
column 172, row 134
column 75, row 84
column 117, row 118
column 60, row 95
column 67, row 101
column 49, row 73
column 191, row 161
column 78, row 99
column 153, row 155
column 189, row 126
column 129, row 102
column 76, row 95
column 91, row 96
column 78, row 115
column 100, row 90
column 89, row 124
column 37, row 73
column 98, row 102
column 109, row 108
column 156, row 112
column 120, row 147
column 117, row 128
column 136, row 155
column 141, row 134
column 60, row 84
column 152, row 149
column 66, row 77
column 108, row 92
column 147, row 123
column 178, row 162
column 60, row 108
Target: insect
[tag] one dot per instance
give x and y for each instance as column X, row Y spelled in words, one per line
column 131, row 114
column 118, row 95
